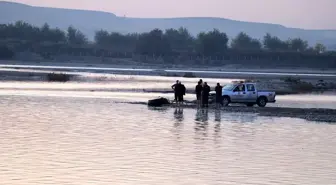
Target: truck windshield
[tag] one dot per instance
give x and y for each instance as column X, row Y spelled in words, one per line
column 229, row 87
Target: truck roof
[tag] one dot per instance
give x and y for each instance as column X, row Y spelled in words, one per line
column 243, row 82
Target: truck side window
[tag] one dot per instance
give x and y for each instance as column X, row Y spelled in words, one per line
column 250, row 87
column 242, row 88
column 239, row 88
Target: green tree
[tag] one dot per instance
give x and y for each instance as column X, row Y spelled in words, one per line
column 180, row 39
column 6, row 53
column 297, row 44
column 4, row 31
column 76, row 37
column 102, row 38
column 25, row 32
column 153, row 42
column 54, row 35
column 320, row 48
column 244, row 42
column 116, row 41
column 58, row 35
column 130, row 41
column 211, row 43
column 273, row 43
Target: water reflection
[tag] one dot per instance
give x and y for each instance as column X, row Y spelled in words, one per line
column 218, row 115
column 217, row 127
column 178, row 115
column 240, row 117
column 201, row 123
column 178, row 122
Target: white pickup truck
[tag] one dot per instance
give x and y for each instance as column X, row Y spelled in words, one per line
column 245, row 93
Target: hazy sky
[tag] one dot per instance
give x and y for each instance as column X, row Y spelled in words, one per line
column 311, row 14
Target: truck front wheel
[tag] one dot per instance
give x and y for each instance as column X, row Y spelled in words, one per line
column 226, row 100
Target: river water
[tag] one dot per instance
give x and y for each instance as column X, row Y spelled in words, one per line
column 87, row 133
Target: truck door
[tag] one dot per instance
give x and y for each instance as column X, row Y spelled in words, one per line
column 251, row 93
column 238, row 94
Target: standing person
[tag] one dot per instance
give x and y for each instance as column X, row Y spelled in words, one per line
column 174, row 88
column 181, row 93
column 201, row 82
column 205, row 95
column 218, row 90
column 198, row 91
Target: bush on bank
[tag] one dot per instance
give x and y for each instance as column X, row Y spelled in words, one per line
column 6, row 53
column 58, row 77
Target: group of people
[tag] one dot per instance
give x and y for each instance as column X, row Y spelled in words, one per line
column 202, row 91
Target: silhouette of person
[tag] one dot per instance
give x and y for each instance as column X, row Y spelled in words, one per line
column 174, row 88
column 218, row 90
column 198, row 91
column 201, row 81
column 205, row 95
column 181, row 93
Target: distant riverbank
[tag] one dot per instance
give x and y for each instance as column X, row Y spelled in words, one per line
column 130, row 64
column 291, row 81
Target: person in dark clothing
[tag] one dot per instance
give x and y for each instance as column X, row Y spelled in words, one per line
column 200, row 81
column 174, row 88
column 205, row 95
column 181, row 92
column 198, row 91
column 218, row 90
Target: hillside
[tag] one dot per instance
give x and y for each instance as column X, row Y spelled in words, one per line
column 90, row 21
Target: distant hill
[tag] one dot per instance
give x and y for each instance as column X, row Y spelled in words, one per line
column 90, row 21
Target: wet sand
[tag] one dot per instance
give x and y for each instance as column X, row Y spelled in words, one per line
column 310, row 114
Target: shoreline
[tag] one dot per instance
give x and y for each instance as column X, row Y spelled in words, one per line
column 309, row 114
column 286, row 82
column 282, row 84
column 157, row 70
column 119, row 63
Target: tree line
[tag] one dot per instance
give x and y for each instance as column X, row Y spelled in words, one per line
column 27, row 32
column 155, row 42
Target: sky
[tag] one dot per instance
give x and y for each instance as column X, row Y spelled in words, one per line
column 309, row 14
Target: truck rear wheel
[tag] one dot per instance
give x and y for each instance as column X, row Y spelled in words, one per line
column 226, row 100
column 262, row 101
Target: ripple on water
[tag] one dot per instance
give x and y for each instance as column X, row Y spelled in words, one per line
column 54, row 140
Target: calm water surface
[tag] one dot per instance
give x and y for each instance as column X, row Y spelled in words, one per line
column 73, row 140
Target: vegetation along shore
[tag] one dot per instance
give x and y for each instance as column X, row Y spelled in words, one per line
column 168, row 47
